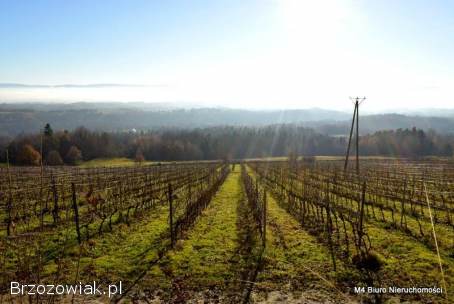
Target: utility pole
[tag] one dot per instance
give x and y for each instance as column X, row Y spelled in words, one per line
column 357, row 101
column 350, row 140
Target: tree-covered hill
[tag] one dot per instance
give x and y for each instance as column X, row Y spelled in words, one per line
column 110, row 117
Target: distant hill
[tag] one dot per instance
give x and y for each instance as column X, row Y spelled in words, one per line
column 378, row 122
column 29, row 118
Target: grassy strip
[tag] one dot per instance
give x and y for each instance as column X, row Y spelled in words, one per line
column 122, row 254
column 290, row 253
column 297, row 266
column 445, row 234
column 203, row 260
column 408, row 263
column 250, row 258
column 111, row 162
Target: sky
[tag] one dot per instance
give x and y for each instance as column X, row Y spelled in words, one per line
column 236, row 53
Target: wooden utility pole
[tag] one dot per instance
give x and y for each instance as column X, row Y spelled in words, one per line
column 357, row 136
column 350, row 139
column 357, row 102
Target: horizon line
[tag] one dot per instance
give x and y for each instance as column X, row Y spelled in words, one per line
column 66, row 85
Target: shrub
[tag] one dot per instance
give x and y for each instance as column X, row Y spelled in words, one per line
column 54, row 159
column 73, row 156
column 139, row 158
column 28, row 156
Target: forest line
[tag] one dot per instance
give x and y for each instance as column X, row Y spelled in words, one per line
column 69, row 147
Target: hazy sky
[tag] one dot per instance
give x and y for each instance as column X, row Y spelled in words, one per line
column 237, row 53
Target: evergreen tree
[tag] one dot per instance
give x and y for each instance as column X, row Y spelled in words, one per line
column 48, row 130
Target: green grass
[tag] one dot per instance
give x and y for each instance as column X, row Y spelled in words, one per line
column 122, row 255
column 295, row 262
column 110, row 162
column 127, row 251
column 125, row 162
column 204, row 258
column 408, row 262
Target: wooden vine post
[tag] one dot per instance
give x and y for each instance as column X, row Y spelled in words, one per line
column 172, row 232
column 264, row 219
column 361, row 217
column 55, row 196
column 76, row 212
column 9, row 206
column 329, row 225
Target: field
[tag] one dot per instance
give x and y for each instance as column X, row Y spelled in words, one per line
column 259, row 231
column 108, row 162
